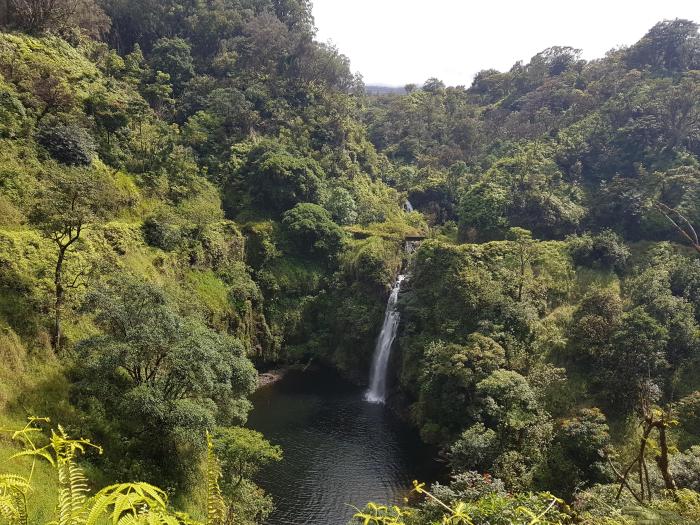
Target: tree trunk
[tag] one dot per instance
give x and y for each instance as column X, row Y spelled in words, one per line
column 662, row 461
column 522, row 277
column 60, row 294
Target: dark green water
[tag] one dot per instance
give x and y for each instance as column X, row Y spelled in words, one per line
column 339, row 450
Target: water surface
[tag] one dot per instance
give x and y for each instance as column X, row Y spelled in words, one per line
column 339, row 450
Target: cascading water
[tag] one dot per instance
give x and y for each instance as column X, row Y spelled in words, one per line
column 377, row 381
column 408, row 206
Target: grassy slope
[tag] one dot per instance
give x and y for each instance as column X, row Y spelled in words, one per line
column 32, row 380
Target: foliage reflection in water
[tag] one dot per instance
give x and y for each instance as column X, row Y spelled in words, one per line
column 339, row 450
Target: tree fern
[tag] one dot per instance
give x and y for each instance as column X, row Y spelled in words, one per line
column 216, row 506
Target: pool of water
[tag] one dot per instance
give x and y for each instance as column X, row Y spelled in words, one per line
column 339, row 450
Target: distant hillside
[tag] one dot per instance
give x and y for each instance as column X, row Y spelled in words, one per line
column 384, row 90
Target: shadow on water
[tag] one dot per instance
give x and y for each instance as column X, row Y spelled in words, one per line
column 339, row 450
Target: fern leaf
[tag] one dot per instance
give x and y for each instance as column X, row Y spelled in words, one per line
column 9, row 512
column 40, row 452
column 125, row 502
column 216, row 506
column 13, row 492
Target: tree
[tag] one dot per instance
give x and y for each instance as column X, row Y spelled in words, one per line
column 242, row 452
column 680, row 223
column 523, row 430
column 476, row 449
column 671, row 46
column 109, row 111
column 312, row 231
column 482, row 211
column 653, row 419
column 53, row 93
column 576, row 458
column 68, row 144
column 594, row 322
column 173, row 56
column 341, row 206
column 522, row 239
column 637, row 354
column 554, row 60
column 688, row 412
column 69, row 201
column 652, row 290
column 447, row 384
column 433, row 85
column 158, row 91
column 38, row 16
column 278, row 180
column 160, row 378
column 605, row 250
column 677, row 108
column 509, row 404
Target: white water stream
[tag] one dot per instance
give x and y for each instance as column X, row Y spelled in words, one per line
column 377, row 381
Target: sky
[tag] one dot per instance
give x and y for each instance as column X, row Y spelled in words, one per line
column 396, row 42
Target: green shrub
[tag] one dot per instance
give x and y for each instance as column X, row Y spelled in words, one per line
column 374, row 260
column 278, row 179
column 159, row 232
column 66, row 143
column 341, row 205
column 312, row 231
column 12, row 111
column 605, row 250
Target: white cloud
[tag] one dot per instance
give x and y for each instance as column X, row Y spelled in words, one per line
column 400, row 41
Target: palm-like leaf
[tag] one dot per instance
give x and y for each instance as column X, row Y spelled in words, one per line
column 125, row 499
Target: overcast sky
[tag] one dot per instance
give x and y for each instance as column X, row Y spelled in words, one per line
column 396, row 42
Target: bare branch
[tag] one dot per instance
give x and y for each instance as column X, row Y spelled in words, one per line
column 688, row 231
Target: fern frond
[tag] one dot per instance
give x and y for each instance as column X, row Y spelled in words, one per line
column 13, row 499
column 14, row 482
column 73, row 485
column 9, row 512
column 72, row 492
column 379, row 515
column 135, row 504
column 126, row 501
column 43, row 453
column 216, row 506
column 151, row 518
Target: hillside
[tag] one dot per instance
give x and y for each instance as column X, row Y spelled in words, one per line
column 193, row 193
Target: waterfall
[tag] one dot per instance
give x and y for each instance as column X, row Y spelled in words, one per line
column 408, row 206
column 377, row 378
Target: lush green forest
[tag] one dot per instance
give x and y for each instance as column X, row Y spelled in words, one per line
column 190, row 191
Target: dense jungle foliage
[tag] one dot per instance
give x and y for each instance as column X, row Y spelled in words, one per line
column 190, row 190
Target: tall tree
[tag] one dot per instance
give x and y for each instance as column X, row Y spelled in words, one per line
column 70, row 200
